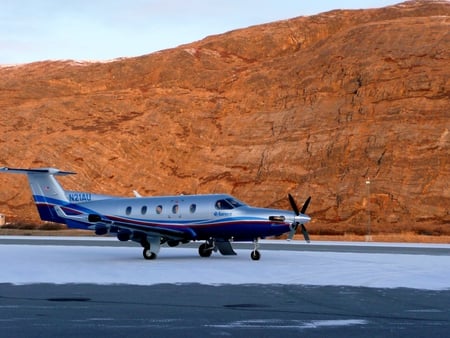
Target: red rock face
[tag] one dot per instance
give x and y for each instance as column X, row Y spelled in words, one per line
column 308, row 106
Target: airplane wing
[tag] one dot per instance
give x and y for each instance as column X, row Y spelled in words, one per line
column 98, row 221
column 176, row 234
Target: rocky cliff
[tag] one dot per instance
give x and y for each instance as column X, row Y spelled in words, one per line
column 310, row 106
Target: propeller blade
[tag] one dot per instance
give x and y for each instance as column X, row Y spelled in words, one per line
column 291, row 234
column 305, row 205
column 297, row 213
column 293, row 204
column 294, row 228
column 305, row 234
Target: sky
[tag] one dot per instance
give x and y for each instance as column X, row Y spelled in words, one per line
column 106, row 265
column 101, row 30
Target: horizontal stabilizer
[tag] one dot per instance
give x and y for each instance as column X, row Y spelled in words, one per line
column 49, row 171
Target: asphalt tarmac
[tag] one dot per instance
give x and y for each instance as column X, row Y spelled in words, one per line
column 47, row 310
column 194, row 310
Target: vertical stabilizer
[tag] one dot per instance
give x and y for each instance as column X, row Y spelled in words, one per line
column 47, row 192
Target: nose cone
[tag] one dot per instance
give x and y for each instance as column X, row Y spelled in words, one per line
column 303, row 219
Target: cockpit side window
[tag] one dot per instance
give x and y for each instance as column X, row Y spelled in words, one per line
column 223, row 205
column 235, row 203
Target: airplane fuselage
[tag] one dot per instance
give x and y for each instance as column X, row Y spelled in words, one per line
column 199, row 213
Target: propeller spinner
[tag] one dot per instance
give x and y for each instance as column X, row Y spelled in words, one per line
column 295, row 224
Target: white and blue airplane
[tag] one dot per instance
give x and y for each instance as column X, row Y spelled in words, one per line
column 215, row 219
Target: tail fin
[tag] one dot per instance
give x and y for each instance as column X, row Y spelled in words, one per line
column 47, row 192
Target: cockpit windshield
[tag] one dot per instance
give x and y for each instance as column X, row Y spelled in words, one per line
column 228, row 203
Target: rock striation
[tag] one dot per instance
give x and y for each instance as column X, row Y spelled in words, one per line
column 309, row 106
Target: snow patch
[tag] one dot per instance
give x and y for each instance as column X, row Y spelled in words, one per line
column 60, row 264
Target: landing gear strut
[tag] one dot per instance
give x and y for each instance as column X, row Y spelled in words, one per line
column 255, row 255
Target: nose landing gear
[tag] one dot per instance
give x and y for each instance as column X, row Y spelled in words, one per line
column 255, row 255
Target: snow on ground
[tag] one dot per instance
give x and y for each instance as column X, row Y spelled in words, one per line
column 58, row 264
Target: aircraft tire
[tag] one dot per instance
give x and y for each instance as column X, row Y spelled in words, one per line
column 148, row 254
column 255, row 255
column 204, row 250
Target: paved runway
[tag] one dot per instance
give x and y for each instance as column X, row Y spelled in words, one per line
column 356, row 247
column 193, row 310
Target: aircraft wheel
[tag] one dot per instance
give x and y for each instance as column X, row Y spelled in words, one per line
column 255, row 255
column 148, row 254
column 204, row 250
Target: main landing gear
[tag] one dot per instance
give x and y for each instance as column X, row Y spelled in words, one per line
column 151, row 247
column 148, row 254
column 206, row 249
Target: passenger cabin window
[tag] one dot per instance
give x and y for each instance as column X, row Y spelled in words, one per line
column 144, row 210
column 128, row 210
column 228, row 203
column 175, row 209
column 192, row 208
column 159, row 209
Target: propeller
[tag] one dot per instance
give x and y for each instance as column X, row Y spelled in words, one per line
column 295, row 224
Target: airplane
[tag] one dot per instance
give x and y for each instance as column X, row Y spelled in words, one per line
column 216, row 219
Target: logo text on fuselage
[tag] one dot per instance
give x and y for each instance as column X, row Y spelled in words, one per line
column 222, row 214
